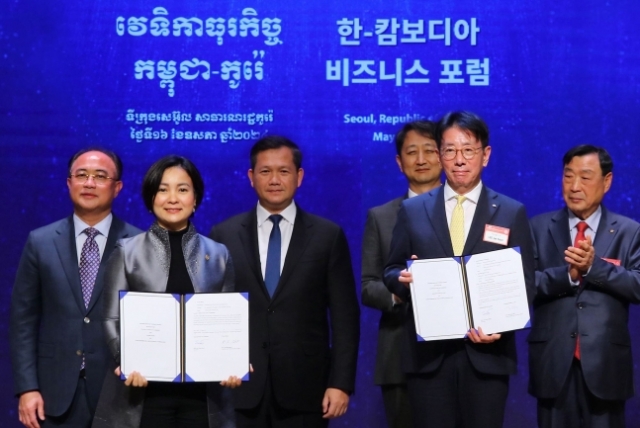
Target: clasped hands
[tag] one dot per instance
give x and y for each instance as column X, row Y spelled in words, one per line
column 474, row 335
column 580, row 258
column 135, row 379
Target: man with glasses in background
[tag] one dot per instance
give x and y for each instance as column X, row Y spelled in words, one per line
column 58, row 352
column 458, row 382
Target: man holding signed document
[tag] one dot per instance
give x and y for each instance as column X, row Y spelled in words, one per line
column 461, row 379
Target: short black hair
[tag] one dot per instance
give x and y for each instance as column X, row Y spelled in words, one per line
column 426, row 128
column 271, row 142
column 112, row 155
column 466, row 121
column 606, row 163
column 153, row 178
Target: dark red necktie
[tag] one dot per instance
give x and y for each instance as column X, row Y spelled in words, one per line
column 580, row 236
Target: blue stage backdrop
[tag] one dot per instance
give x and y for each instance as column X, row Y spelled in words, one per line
column 205, row 79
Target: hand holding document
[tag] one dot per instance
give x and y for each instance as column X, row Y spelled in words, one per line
column 191, row 338
column 452, row 295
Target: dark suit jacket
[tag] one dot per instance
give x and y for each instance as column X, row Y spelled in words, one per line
column 422, row 230
column 375, row 252
column 291, row 335
column 50, row 327
column 599, row 311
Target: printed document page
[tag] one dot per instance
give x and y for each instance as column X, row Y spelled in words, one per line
column 438, row 298
column 216, row 336
column 150, row 335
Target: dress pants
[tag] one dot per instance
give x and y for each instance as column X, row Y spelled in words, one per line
column 396, row 406
column 79, row 415
column 576, row 407
column 268, row 414
column 456, row 395
column 175, row 405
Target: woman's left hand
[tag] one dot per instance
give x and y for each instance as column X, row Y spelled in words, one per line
column 234, row 381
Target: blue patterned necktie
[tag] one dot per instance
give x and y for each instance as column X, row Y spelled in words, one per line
column 89, row 264
column 272, row 270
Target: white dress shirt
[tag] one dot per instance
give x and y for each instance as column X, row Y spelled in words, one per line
column 264, row 230
column 468, row 205
column 593, row 221
column 101, row 238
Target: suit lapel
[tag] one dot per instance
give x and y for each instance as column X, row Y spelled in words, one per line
column 65, row 243
column 559, row 231
column 488, row 205
column 300, row 238
column 607, row 230
column 249, row 238
column 434, row 206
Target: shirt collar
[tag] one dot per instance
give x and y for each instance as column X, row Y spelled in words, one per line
column 411, row 194
column 472, row 196
column 289, row 213
column 592, row 221
column 103, row 225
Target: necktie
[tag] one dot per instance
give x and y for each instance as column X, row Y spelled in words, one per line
column 89, row 264
column 580, row 236
column 272, row 270
column 457, row 227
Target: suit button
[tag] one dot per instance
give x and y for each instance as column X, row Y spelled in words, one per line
column 580, row 305
column 86, row 320
column 270, row 311
column 78, row 352
column 265, row 345
column 574, row 335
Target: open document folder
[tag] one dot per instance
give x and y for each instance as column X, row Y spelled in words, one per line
column 451, row 295
column 184, row 338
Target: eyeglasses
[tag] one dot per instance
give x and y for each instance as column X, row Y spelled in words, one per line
column 83, row 177
column 468, row 153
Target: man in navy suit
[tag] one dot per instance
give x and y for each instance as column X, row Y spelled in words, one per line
column 303, row 308
column 417, row 158
column 58, row 351
column 587, row 273
column 458, row 382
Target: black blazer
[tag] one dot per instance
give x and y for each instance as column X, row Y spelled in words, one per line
column 50, row 327
column 599, row 311
column 422, row 230
column 291, row 335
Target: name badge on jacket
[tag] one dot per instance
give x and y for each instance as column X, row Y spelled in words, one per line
column 496, row 234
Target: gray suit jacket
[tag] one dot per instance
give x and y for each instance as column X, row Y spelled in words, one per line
column 142, row 264
column 598, row 310
column 50, row 326
column 375, row 252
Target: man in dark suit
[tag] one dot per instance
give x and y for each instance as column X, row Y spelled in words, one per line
column 303, row 309
column 417, row 158
column 58, row 351
column 587, row 273
column 458, row 382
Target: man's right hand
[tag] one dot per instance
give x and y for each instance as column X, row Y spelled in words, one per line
column 31, row 409
column 406, row 277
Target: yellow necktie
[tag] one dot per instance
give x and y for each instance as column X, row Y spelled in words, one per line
column 457, row 227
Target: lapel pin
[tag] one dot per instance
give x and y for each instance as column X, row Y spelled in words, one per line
column 611, row 231
column 494, row 205
column 206, row 257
